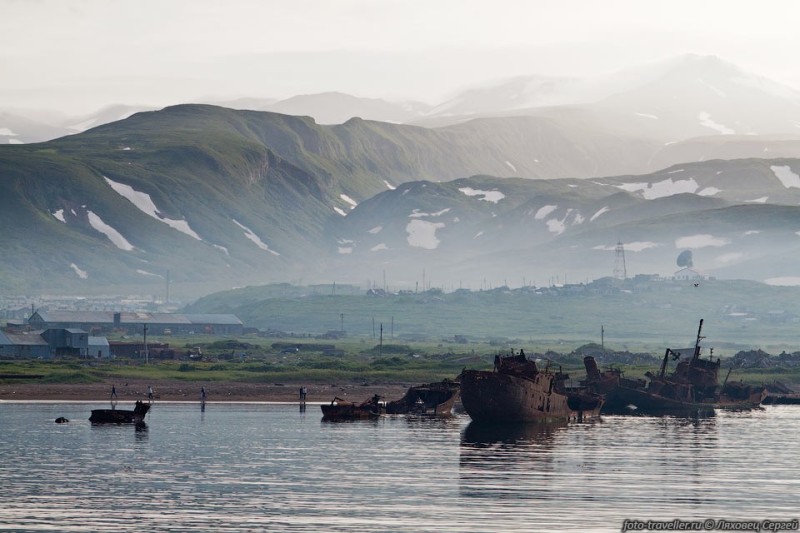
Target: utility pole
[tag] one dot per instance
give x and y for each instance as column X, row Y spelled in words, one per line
column 602, row 338
column 380, row 350
column 341, row 315
column 146, row 355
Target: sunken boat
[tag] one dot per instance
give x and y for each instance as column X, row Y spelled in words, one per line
column 428, row 399
column 339, row 409
column 691, row 388
column 121, row 416
column 518, row 391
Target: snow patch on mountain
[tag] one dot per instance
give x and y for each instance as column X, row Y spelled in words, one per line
column 340, row 211
column 487, row 196
column 221, row 248
column 145, row 204
column 761, row 200
column 705, row 120
column 353, row 203
column 422, row 234
column 81, row 273
column 555, row 226
column 542, row 213
column 60, row 215
column 345, row 246
column 8, row 133
column 661, row 189
column 703, row 240
column 375, row 230
column 113, row 235
column 511, row 166
column 389, row 185
column 255, row 239
column 788, row 178
column 146, row 273
column 599, row 212
column 709, row 191
column 715, row 90
column 418, row 214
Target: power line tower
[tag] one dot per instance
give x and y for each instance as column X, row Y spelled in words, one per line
column 620, row 271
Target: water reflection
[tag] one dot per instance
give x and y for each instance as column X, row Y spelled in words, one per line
column 508, row 461
column 430, row 422
column 481, row 435
column 141, row 432
column 257, row 467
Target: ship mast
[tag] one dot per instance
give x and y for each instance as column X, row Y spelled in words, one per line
column 697, row 342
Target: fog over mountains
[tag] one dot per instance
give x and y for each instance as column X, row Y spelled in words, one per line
column 529, row 180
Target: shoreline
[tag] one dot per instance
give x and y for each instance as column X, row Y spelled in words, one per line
column 189, row 391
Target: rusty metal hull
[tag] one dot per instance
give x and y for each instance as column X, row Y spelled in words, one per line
column 642, row 401
column 499, row 397
column 120, row 416
column 433, row 398
column 340, row 410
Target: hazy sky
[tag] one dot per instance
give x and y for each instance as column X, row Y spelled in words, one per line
column 80, row 55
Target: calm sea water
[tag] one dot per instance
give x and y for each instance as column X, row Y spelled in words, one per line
column 268, row 467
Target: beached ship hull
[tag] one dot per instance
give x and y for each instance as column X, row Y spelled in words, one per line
column 433, row 398
column 692, row 388
column 341, row 410
column 120, row 416
column 498, row 397
column 642, row 401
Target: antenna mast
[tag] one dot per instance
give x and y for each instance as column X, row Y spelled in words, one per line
column 620, row 270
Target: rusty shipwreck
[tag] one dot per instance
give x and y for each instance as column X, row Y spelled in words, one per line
column 340, row 409
column 692, row 388
column 121, row 416
column 518, row 391
column 430, row 399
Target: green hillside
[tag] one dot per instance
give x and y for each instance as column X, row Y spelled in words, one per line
column 637, row 315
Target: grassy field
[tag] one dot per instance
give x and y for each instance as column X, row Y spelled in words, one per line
column 739, row 315
column 255, row 359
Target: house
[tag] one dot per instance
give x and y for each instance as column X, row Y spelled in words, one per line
column 133, row 322
column 688, row 274
column 54, row 342
column 27, row 345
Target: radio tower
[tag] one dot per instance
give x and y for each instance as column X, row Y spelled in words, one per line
column 620, row 272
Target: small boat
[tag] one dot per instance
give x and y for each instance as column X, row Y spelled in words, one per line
column 518, row 391
column 692, row 388
column 339, row 409
column 121, row 416
column 431, row 398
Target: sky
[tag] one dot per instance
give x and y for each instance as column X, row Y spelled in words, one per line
column 77, row 56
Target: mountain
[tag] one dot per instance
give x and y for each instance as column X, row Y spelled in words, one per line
column 16, row 128
column 734, row 215
column 694, row 96
column 337, row 108
column 24, row 127
column 213, row 198
column 674, row 99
